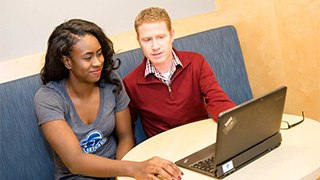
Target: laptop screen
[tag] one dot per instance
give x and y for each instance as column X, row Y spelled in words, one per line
column 248, row 124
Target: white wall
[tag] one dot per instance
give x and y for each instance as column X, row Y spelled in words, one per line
column 25, row 25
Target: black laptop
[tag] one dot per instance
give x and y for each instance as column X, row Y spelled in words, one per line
column 244, row 133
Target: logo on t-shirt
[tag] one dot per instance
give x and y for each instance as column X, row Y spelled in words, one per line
column 93, row 141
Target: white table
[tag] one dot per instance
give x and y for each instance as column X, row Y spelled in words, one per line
column 298, row 157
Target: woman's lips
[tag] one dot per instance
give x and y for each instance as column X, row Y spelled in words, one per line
column 96, row 71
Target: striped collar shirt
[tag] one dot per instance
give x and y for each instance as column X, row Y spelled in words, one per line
column 150, row 69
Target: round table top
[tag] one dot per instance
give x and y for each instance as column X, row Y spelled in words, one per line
column 298, row 157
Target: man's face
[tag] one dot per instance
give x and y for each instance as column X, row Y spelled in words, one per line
column 156, row 42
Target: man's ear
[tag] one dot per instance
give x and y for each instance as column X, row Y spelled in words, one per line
column 138, row 40
column 66, row 61
column 172, row 35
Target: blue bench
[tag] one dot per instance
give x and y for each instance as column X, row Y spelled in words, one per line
column 25, row 153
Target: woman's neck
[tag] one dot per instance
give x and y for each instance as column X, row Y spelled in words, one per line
column 81, row 90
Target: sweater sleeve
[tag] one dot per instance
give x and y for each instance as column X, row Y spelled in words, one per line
column 216, row 99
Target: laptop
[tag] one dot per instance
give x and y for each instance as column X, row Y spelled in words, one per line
column 244, row 133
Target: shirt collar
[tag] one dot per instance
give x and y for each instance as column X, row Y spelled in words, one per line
column 150, row 69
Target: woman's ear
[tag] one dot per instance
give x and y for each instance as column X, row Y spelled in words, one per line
column 66, row 61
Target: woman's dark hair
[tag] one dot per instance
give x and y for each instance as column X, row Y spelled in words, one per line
column 60, row 44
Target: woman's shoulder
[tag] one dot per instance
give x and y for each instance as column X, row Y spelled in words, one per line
column 112, row 75
column 51, row 90
column 115, row 74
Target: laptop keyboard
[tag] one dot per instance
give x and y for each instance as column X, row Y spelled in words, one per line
column 205, row 165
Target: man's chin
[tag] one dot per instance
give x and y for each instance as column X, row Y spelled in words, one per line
column 156, row 60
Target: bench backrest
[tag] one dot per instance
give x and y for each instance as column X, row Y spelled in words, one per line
column 24, row 151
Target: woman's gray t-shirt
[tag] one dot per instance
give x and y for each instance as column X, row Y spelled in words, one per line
column 52, row 102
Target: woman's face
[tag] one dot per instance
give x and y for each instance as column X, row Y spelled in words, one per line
column 86, row 60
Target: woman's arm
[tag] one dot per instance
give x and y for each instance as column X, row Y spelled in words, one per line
column 66, row 145
column 124, row 132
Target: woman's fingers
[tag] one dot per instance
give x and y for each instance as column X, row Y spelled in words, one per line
column 166, row 169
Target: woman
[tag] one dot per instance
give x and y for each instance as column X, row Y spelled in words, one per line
column 82, row 108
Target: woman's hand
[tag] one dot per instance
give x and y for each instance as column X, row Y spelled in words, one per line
column 157, row 168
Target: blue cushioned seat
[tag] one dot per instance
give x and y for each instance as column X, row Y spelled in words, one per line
column 24, row 151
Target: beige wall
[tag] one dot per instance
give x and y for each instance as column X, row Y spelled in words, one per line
column 280, row 40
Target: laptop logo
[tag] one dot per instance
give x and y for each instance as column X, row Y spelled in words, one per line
column 227, row 166
column 231, row 122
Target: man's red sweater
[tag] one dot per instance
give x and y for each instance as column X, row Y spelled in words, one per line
column 163, row 107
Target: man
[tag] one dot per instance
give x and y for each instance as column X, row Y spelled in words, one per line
column 169, row 87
